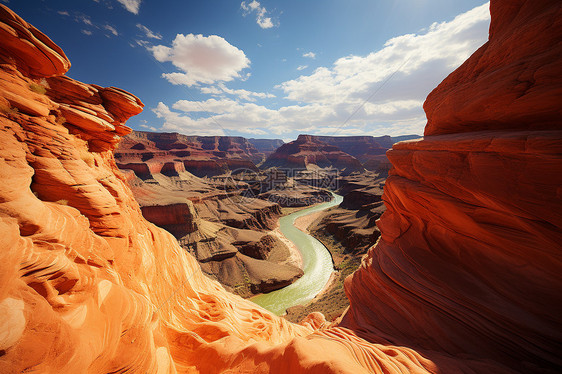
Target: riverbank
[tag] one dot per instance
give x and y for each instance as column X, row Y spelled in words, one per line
column 331, row 301
column 316, row 259
column 295, row 256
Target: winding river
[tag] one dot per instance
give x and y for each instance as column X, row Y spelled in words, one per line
column 317, row 264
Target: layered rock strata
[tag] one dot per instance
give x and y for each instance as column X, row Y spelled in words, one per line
column 469, row 262
column 168, row 153
column 465, row 279
column 308, row 151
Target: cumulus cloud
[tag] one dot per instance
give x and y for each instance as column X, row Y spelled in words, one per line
column 149, row 33
column 242, row 94
column 309, row 55
column 201, row 59
column 151, row 128
column 86, row 32
column 262, row 19
column 380, row 93
column 132, row 6
column 302, row 67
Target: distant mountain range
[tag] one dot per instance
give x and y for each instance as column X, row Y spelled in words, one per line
column 150, row 152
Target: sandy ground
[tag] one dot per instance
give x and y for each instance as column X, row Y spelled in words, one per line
column 302, row 223
column 295, row 257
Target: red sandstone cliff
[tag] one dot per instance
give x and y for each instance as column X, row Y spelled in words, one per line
column 147, row 152
column 307, row 151
column 470, row 257
column 347, row 153
column 466, row 278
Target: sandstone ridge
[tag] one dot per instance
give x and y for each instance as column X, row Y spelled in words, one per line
column 465, row 279
column 469, row 257
column 169, row 153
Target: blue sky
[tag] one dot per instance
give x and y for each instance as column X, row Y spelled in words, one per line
column 268, row 69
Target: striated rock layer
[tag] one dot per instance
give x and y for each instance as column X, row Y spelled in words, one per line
column 470, row 259
column 466, row 278
column 86, row 284
column 309, row 152
column 170, row 153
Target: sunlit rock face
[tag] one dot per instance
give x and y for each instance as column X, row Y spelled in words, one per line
column 465, row 280
column 310, row 152
column 86, row 284
column 470, row 257
column 171, row 153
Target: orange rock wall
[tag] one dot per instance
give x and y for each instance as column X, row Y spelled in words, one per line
column 469, row 262
column 86, row 284
column 465, row 280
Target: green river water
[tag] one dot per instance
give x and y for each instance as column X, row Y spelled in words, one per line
column 317, row 264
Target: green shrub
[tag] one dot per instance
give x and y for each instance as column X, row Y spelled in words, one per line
column 37, row 88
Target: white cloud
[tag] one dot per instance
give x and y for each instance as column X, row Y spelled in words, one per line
column 302, row 67
column 201, row 59
column 131, row 5
column 309, row 55
column 261, row 14
column 152, row 128
column 142, row 43
column 380, row 93
column 149, row 33
column 111, row 29
column 85, row 19
column 63, row 12
column 86, row 32
column 240, row 93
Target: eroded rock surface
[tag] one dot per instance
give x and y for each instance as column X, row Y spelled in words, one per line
column 469, row 262
column 309, row 152
column 466, row 277
column 169, row 153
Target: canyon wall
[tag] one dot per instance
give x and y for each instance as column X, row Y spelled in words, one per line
column 308, row 151
column 469, row 262
column 466, row 277
column 152, row 152
column 347, row 153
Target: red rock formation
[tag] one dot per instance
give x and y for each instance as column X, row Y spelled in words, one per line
column 201, row 155
column 87, row 285
column 466, row 278
column 469, row 262
column 512, row 82
column 308, row 151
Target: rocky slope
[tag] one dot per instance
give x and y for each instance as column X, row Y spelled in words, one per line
column 465, row 279
column 352, row 223
column 231, row 236
column 266, row 146
column 170, row 153
column 308, row 152
column 347, row 153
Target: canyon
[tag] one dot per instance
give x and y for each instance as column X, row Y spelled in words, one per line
column 347, row 154
column 465, row 277
column 209, row 193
